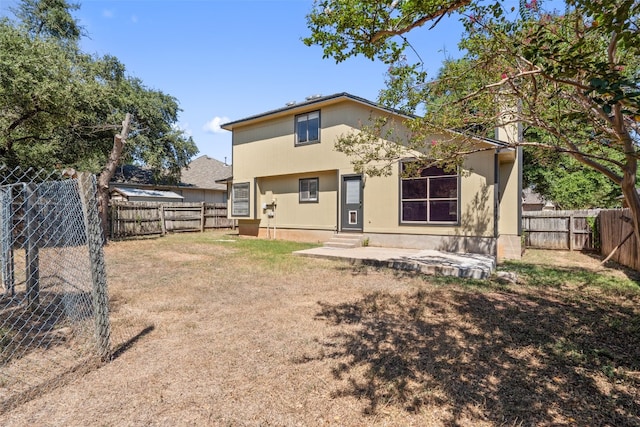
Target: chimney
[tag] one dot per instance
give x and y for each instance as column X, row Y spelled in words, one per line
column 509, row 128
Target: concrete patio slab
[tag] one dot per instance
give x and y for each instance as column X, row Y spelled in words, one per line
column 432, row 262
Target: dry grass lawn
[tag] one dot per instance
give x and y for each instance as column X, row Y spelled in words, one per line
column 241, row 333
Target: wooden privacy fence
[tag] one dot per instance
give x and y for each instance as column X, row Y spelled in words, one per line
column 615, row 227
column 129, row 219
column 562, row 230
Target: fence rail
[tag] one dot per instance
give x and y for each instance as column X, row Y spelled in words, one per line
column 128, row 219
column 561, row 230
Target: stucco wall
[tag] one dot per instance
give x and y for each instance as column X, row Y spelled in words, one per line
column 510, row 198
column 289, row 211
column 382, row 202
column 268, row 149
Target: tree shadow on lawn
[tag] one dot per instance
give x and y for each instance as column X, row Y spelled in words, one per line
column 501, row 357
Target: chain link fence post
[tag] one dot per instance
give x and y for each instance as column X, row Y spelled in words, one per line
column 87, row 189
column 7, row 240
column 31, row 246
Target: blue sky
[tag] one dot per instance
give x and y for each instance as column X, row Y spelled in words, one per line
column 228, row 59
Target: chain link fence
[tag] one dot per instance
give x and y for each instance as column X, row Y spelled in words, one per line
column 54, row 307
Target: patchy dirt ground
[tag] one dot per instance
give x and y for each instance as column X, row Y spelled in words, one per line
column 226, row 338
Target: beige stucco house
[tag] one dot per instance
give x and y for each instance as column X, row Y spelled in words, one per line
column 289, row 181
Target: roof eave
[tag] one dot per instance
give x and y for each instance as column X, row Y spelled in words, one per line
column 315, row 103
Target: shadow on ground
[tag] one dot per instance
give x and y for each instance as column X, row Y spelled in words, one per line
column 501, row 357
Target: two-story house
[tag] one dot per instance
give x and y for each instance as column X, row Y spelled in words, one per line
column 289, row 181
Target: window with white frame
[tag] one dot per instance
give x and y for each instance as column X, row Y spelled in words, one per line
column 308, row 128
column 428, row 195
column 308, row 190
column 240, row 199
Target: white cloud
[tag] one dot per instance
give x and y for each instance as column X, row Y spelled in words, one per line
column 213, row 125
column 107, row 13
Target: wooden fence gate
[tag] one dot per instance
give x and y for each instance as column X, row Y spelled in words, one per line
column 616, row 234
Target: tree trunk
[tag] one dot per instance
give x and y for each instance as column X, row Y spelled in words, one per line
column 633, row 201
column 107, row 173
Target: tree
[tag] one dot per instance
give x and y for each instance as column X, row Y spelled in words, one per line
column 571, row 75
column 49, row 18
column 62, row 108
column 567, row 182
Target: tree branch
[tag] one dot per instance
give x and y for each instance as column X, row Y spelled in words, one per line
column 24, row 118
column 418, row 23
column 498, row 84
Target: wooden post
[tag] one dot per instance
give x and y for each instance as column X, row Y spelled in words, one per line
column 162, row 223
column 31, row 246
column 571, row 231
column 114, row 219
column 87, row 189
column 203, row 219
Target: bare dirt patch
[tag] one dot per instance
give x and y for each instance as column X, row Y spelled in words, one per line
column 233, row 338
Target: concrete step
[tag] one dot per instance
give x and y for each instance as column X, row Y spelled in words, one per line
column 345, row 241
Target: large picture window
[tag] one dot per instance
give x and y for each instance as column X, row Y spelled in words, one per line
column 308, row 128
column 429, row 195
column 309, row 190
column 240, row 199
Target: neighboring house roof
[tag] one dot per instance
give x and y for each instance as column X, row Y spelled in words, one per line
column 138, row 192
column 202, row 172
column 319, row 101
column 531, row 197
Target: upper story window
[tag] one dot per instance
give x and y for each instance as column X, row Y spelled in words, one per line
column 430, row 196
column 308, row 128
column 240, row 199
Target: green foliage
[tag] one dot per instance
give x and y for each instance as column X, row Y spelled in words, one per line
column 49, row 18
column 60, row 107
column 567, row 182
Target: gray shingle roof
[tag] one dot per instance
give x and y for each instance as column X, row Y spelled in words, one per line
column 200, row 173
column 203, row 173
